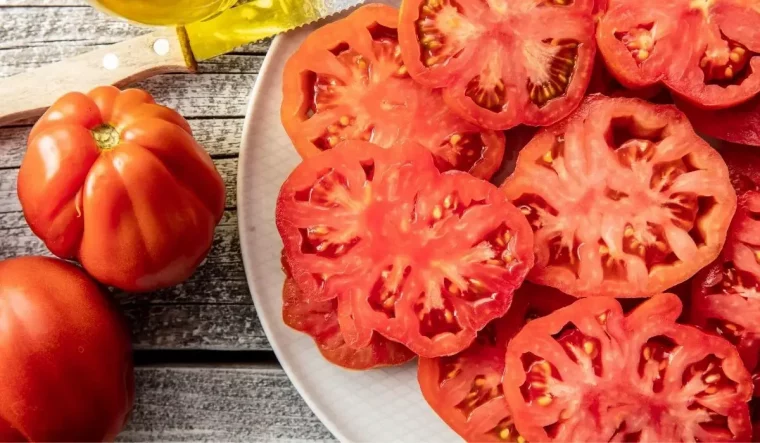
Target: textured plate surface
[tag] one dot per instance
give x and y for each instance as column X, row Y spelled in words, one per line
column 382, row 405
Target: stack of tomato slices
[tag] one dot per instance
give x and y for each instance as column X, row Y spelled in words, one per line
column 549, row 308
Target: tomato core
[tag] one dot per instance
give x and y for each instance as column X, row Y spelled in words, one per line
column 106, row 137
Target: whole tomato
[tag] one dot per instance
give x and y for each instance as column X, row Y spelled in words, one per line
column 65, row 355
column 119, row 183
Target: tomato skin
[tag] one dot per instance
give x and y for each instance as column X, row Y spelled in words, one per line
column 67, row 363
column 320, row 321
column 139, row 215
column 621, row 397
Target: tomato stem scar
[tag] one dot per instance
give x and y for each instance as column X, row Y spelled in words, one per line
column 106, row 136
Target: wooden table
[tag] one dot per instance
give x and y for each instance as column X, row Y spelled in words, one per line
column 205, row 370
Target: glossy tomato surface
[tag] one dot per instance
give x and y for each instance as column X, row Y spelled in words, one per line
column 589, row 372
column 726, row 295
column 319, row 319
column 347, row 82
column 465, row 389
column 426, row 259
column 66, row 355
column 739, row 124
column 706, row 51
column 118, row 182
column 501, row 63
column 624, row 199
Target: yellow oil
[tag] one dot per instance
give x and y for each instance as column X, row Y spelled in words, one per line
column 164, row 12
column 249, row 22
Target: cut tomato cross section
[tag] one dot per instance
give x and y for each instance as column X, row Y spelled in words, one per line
column 726, row 295
column 624, row 199
column 347, row 82
column 501, row 62
column 465, row 389
column 426, row 259
column 588, row 372
column 706, row 51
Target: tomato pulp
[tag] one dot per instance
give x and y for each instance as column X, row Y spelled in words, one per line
column 500, row 63
column 465, row 389
column 726, row 295
column 424, row 258
column 706, row 51
column 624, row 199
column 347, row 82
column 319, row 319
column 589, row 372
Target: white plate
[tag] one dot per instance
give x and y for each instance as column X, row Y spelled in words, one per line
column 381, row 405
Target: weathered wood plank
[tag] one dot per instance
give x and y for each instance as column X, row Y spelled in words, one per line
column 227, row 168
column 17, row 60
column 213, row 404
column 196, row 326
column 220, row 137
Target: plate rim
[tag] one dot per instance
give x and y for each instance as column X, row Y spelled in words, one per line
column 255, row 95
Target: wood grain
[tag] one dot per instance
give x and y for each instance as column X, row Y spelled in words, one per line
column 213, row 404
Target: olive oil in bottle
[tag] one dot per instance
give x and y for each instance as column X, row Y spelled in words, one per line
column 164, row 12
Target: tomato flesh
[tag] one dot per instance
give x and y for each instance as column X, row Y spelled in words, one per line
column 498, row 63
column 320, row 321
column 347, row 82
column 589, row 372
column 465, row 389
column 726, row 295
column 704, row 50
column 426, row 259
column 623, row 199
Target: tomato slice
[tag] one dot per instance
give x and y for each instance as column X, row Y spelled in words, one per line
column 426, row 259
column 498, row 62
column 726, row 295
column 320, row 321
column 347, row 82
column 624, row 199
column 465, row 389
column 739, row 124
column 704, row 50
column 589, row 372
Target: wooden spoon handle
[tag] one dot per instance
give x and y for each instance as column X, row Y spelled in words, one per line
column 30, row 93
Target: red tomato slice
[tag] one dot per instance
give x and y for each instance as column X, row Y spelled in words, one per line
column 500, row 62
column 740, row 124
column 426, row 259
column 588, row 372
column 465, row 389
column 347, row 82
column 726, row 295
column 704, row 50
column 320, row 321
column 624, row 199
